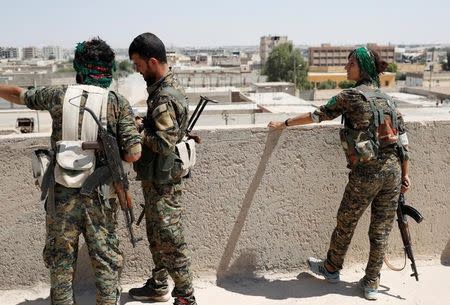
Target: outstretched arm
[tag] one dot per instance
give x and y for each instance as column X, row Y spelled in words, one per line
column 12, row 94
column 301, row 119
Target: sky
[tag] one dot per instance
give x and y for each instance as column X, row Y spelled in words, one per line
column 224, row 23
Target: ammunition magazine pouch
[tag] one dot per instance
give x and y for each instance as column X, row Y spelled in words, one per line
column 358, row 146
column 43, row 164
column 40, row 163
column 187, row 154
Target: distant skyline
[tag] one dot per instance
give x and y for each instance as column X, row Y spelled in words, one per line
column 228, row 23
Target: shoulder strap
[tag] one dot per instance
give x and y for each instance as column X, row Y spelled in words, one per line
column 71, row 113
column 97, row 97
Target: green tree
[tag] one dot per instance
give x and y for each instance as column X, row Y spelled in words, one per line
column 125, row 66
column 287, row 64
column 345, row 84
column 328, row 84
column 392, row 67
column 400, row 76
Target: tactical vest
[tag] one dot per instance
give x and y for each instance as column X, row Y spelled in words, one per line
column 172, row 167
column 364, row 145
column 72, row 164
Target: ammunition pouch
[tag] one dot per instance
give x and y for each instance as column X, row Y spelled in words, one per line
column 359, row 146
column 73, row 164
column 158, row 168
column 187, row 154
column 40, row 162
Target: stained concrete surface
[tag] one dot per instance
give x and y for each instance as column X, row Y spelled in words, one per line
column 286, row 289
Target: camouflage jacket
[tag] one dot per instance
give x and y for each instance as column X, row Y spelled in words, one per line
column 164, row 126
column 356, row 111
column 120, row 119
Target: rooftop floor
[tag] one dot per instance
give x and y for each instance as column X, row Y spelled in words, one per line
column 288, row 289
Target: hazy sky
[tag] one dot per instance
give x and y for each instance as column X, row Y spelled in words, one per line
column 216, row 23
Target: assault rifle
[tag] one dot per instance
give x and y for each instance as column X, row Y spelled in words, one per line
column 111, row 172
column 404, row 210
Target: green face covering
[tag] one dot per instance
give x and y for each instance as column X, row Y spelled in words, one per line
column 366, row 62
column 96, row 72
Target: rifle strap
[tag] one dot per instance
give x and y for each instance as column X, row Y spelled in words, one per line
column 392, row 267
column 97, row 99
column 48, row 186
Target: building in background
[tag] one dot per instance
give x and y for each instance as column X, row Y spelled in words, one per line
column 30, row 52
column 267, row 43
column 386, row 79
column 52, row 52
column 337, row 56
column 10, row 53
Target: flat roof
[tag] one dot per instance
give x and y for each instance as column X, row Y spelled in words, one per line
column 272, row 84
column 336, row 73
column 277, row 98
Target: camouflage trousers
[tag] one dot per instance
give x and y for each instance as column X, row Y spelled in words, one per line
column 75, row 215
column 378, row 186
column 163, row 215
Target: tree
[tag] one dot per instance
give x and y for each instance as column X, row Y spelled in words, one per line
column 328, row 84
column 124, row 68
column 392, row 67
column 345, row 84
column 287, row 64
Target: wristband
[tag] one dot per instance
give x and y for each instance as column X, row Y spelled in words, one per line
column 286, row 123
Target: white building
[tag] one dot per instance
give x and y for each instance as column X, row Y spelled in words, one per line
column 52, row 52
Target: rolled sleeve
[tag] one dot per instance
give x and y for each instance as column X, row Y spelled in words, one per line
column 403, row 136
column 128, row 135
column 335, row 107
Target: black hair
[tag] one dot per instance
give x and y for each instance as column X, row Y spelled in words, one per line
column 148, row 45
column 95, row 50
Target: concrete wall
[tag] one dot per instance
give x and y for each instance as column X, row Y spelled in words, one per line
column 256, row 202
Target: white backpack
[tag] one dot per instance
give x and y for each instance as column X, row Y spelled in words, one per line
column 73, row 164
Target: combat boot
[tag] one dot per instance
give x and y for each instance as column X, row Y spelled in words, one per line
column 150, row 292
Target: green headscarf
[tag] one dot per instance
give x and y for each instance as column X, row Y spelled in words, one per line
column 95, row 72
column 366, row 62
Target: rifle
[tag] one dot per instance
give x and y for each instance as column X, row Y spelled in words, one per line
column 197, row 112
column 404, row 210
column 111, row 172
column 191, row 123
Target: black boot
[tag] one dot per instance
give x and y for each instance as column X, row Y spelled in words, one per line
column 151, row 292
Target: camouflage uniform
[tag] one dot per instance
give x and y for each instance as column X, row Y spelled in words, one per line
column 159, row 169
column 375, row 182
column 77, row 214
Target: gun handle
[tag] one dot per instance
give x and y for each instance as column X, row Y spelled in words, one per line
column 89, row 145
